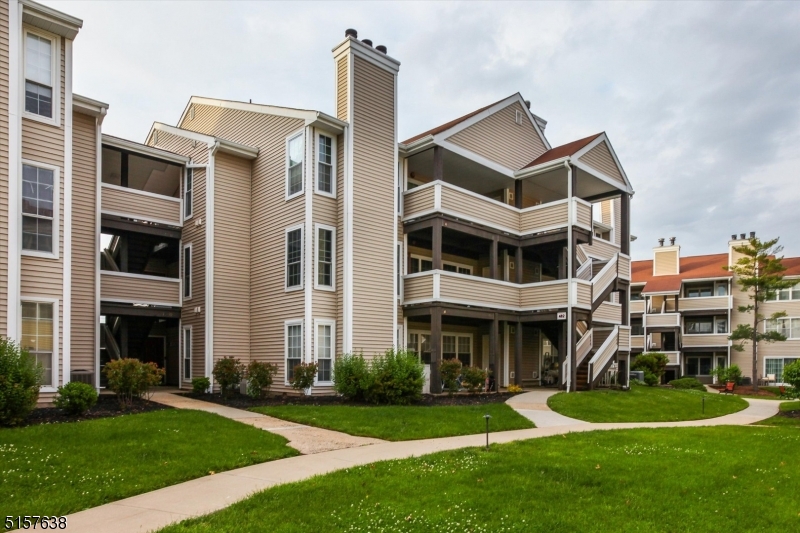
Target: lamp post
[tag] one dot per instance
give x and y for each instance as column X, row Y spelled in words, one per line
column 486, row 417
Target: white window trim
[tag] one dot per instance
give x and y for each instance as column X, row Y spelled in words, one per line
column 183, row 272
column 333, row 164
column 332, row 286
column 777, row 294
column 458, row 265
column 56, row 210
column 55, row 73
column 286, row 324
column 186, row 172
column 401, row 267
column 56, row 336
column 325, row 322
column 291, row 137
column 767, row 321
column 782, row 357
column 183, row 353
column 441, row 348
column 286, row 286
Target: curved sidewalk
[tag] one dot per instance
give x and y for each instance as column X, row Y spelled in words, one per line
column 154, row 510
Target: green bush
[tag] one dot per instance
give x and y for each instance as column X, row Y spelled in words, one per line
column 396, row 377
column 20, row 379
column 654, row 364
column 259, row 378
column 228, row 372
column 791, row 374
column 731, row 373
column 130, row 378
column 201, row 385
column 473, row 378
column 76, row 398
column 351, row 377
column 303, row 376
column 687, row 383
column 450, row 369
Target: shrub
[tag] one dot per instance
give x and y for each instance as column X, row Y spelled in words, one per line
column 731, row 373
column 450, row 369
column 228, row 372
column 473, row 378
column 20, row 379
column 396, row 377
column 130, row 378
column 351, row 376
column 303, row 376
column 687, row 383
column 201, row 385
column 259, row 378
column 791, row 375
column 653, row 364
column 514, row 389
column 76, row 398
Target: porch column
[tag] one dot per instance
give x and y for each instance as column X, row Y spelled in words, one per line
column 494, row 338
column 518, row 194
column 437, row 243
column 438, row 163
column 493, row 258
column 625, row 226
column 562, row 351
column 518, row 261
column 624, row 300
column 436, row 350
column 123, row 253
column 573, row 356
column 518, row 353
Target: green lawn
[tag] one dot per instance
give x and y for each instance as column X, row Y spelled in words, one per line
column 55, row 469
column 645, row 480
column 408, row 422
column 785, row 421
column 644, row 404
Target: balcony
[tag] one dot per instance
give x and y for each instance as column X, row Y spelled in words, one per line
column 637, row 306
column 600, row 249
column 707, row 303
column 662, row 320
column 454, row 201
column 637, row 342
column 140, row 205
column 461, row 289
column 710, row 340
column 122, row 287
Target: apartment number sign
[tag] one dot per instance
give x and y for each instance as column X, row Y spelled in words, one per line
column 562, row 315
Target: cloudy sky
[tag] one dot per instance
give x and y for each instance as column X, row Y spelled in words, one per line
column 700, row 100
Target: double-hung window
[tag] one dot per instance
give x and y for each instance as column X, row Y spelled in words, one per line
column 38, row 208
column 187, row 193
column 294, row 258
column 294, row 166
column 699, row 325
column 792, row 293
column 39, row 86
column 187, row 353
column 38, row 335
column 294, row 347
column 325, row 167
column 324, row 348
column 187, row 271
column 325, row 249
column 788, row 327
column 457, row 347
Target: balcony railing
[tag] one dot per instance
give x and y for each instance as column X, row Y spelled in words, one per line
column 600, row 249
column 140, row 205
column 122, row 287
column 448, row 199
column 662, row 320
column 462, row 289
column 705, row 303
column 637, row 341
column 637, row 306
column 711, row 340
column 608, row 313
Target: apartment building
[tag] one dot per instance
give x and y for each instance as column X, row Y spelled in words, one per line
column 686, row 307
column 288, row 235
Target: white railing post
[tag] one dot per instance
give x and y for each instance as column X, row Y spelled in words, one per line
column 437, row 280
column 437, row 196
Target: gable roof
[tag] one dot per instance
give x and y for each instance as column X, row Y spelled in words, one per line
column 562, row 151
column 233, row 148
column 447, row 125
column 693, row 267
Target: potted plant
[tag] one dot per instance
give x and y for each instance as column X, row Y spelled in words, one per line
column 303, row 377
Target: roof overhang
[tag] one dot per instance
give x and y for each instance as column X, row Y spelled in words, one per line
column 88, row 106
column 130, row 146
column 214, row 143
column 49, row 19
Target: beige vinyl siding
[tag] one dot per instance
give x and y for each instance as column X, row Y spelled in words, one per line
column 605, row 212
column 666, row 262
column 713, row 302
column 552, row 294
column 662, row 320
column 120, row 288
column 231, row 257
column 4, row 150
column 84, row 242
column 477, row 290
column 271, row 214
column 600, row 158
column 479, row 209
column 584, row 295
column 418, row 288
column 607, row 312
column 500, row 139
column 374, row 150
column 531, row 343
column 325, row 210
column 600, row 248
column 637, row 306
column 624, row 340
column 341, row 89
column 715, row 340
column 637, row 341
column 544, row 216
column 196, row 235
column 418, row 201
column 599, row 336
column 617, row 221
column 339, row 244
column 131, row 202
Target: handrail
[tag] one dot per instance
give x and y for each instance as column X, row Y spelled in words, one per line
column 585, row 270
column 603, row 279
column 604, row 353
column 584, row 347
column 138, row 191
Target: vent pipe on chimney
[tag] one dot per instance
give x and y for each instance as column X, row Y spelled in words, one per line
column 380, row 48
column 742, row 236
column 672, row 241
column 752, row 234
column 528, row 104
column 368, row 42
column 733, row 237
column 661, row 242
column 350, row 32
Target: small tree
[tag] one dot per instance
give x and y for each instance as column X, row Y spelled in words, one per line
column 759, row 273
column 228, row 372
column 303, row 376
column 259, row 378
column 450, row 369
column 791, row 375
column 654, row 364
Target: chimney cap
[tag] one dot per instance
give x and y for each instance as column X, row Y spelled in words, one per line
column 661, row 241
column 350, row 32
column 752, row 234
column 527, row 103
column 380, row 48
column 671, row 241
column 368, row 42
column 742, row 236
column 733, row 237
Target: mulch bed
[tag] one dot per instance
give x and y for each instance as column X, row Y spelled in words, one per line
column 790, row 414
column 242, row 401
column 748, row 390
column 107, row 406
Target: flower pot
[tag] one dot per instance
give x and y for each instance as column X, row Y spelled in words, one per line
column 307, row 391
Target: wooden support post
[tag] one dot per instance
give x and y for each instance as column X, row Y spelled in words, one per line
column 436, row 350
column 573, row 355
column 518, row 194
column 518, row 354
column 624, row 301
column 625, row 229
column 123, row 337
column 493, row 259
column 438, row 163
column 518, row 264
column 437, row 243
column 562, row 351
column 123, row 171
column 494, row 353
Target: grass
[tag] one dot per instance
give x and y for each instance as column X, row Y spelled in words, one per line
column 644, row 404
column 407, row 422
column 55, row 469
column 644, row 480
column 785, row 421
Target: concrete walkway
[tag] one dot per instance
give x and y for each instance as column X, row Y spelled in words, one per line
column 154, row 510
column 533, row 406
column 305, row 439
